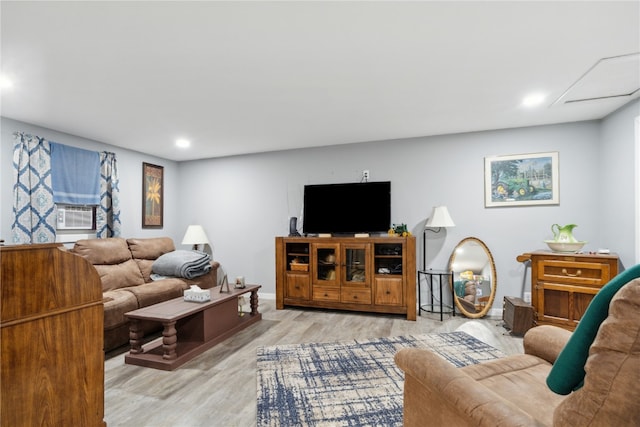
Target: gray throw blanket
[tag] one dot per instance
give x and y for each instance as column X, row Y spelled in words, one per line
column 186, row 264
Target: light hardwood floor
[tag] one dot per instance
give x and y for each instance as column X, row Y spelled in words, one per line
column 218, row 388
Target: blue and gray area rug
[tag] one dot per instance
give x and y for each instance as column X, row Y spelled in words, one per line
column 353, row 383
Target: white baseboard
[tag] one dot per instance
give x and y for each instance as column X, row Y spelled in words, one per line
column 267, row 296
column 495, row 312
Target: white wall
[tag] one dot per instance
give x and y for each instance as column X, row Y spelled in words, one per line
column 244, row 202
column 617, row 194
column 129, row 169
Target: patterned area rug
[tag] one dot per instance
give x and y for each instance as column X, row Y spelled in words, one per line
column 353, row 383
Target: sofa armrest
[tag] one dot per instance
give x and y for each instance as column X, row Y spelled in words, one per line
column 546, row 342
column 438, row 393
column 215, row 265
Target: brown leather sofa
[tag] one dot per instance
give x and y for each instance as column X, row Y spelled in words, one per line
column 125, row 268
column 513, row 391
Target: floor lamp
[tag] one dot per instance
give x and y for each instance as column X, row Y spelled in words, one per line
column 439, row 218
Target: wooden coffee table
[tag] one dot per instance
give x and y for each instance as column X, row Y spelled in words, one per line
column 190, row 328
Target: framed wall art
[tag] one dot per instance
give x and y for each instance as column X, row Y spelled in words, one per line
column 521, row 180
column 152, row 195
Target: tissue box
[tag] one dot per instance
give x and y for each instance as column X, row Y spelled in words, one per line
column 197, row 295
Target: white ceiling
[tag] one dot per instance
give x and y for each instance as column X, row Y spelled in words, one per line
column 245, row 77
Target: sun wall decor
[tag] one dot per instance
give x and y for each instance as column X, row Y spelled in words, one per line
column 152, row 195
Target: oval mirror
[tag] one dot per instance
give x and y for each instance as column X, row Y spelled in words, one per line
column 474, row 277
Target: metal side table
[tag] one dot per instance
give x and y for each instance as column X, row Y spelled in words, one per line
column 442, row 275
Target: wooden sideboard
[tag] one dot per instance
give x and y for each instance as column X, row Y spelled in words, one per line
column 563, row 285
column 374, row 274
column 51, row 317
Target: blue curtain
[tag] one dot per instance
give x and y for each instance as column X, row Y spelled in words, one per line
column 108, row 213
column 33, row 207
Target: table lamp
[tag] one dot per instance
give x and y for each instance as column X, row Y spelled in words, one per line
column 439, row 218
column 195, row 236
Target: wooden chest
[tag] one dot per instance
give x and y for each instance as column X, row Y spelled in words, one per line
column 517, row 315
column 563, row 285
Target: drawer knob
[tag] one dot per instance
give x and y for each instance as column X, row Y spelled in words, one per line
column 566, row 273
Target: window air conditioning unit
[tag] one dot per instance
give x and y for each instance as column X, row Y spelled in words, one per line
column 76, row 217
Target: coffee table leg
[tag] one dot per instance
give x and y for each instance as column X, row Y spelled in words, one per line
column 253, row 301
column 169, row 341
column 135, row 336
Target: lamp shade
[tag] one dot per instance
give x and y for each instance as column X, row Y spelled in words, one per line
column 195, row 235
column 440, row 218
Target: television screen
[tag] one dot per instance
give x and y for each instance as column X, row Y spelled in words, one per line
column 347, row 208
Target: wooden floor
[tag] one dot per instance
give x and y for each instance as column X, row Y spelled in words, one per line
column 218, row 388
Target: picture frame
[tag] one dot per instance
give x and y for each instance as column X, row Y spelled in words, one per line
column 152, row 196
column 521, row 180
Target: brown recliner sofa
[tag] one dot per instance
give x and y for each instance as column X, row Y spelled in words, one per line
column 125, row 269
column 514, row 391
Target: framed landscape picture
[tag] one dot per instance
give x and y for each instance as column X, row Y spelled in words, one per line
column 521, row 180
column 152, row 195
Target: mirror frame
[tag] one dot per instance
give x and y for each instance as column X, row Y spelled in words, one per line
column 494, row 279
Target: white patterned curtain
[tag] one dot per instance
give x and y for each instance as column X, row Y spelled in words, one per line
column 108, row 213
column 33, row 207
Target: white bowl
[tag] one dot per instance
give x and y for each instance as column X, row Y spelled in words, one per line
column 566, row 247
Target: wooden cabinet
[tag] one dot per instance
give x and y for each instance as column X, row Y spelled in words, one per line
column 563, row 285
column 52, row 363
column 376, row 274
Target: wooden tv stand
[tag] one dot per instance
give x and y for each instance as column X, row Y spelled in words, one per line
column 372, row 274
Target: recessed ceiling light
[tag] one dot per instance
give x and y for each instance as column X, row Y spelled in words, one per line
column 183, row 143
column 533, row 100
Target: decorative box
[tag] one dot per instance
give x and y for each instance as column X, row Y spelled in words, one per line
column 517, row 315
column 195, row 294
column 297, row 266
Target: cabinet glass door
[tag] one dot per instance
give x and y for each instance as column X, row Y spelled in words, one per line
column 326, row 268
column 355, row 264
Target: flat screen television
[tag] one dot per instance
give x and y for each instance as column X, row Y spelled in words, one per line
column 350, row 208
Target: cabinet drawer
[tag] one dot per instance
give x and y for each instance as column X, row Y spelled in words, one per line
column 356, row 295
column 323, row 293
column 388, row 291
column 297, row 286
column 584, row 273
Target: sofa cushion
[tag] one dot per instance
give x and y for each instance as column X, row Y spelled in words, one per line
column 161, row 290
column 150, row 248
column 145, row 266
column 146, row 251
column 119, row 275
column 112, row 259
column 610, row 395
column 113, row 250
column 509, row 376
column 568, row 370
column 116, row 304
